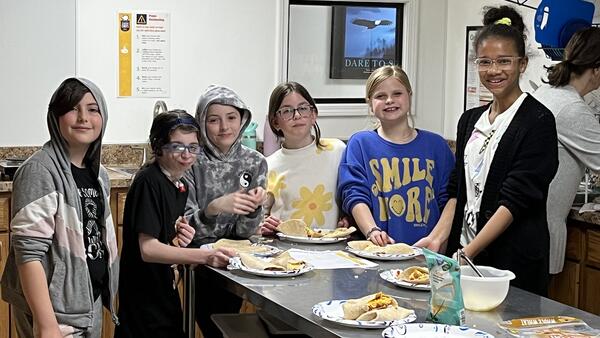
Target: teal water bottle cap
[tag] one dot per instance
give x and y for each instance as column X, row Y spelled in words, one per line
column 249, row 135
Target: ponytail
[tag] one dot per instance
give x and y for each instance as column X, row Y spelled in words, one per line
column 559, row 74
column 581, row 53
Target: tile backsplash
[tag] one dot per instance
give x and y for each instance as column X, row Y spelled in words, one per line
column 112, row 154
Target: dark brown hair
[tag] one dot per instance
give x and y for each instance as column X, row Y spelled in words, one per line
column 277, row 96
column 67, row 96
column 494, row 29
column 581, row 53
column 164, row 124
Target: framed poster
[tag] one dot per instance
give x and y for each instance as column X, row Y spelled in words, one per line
column 364, row 38
column 475, row 93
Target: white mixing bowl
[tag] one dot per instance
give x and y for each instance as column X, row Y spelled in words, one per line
column 487, row 292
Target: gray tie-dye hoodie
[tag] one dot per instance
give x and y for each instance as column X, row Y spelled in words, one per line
column 47, row 226
column 216, row 174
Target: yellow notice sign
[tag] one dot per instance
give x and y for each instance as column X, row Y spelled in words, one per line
column 125, row 51
column 144, row 54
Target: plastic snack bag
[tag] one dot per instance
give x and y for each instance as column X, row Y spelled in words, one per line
column 549, row 327
column 446, row 302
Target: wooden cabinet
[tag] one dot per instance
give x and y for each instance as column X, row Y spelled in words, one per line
column 4, row 308
column 13, row 329
column 4, row 246
column 575, row 241
column 121, row 196
column 577, row 284
column 564, row 287
column 591, row 300
column 108, row 327
column 4, row 211
column 593, row 248
column 117, row 206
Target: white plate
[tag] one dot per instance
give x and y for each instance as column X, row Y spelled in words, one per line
column 429, row 330
column 271, row 250
column 390, row 276
column 332, row 310
column 235, row 263
column 384, row 256
column 299, row 239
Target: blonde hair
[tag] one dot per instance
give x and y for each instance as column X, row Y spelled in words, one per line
column 381, row 74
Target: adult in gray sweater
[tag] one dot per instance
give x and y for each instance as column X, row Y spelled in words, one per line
column 578, row 130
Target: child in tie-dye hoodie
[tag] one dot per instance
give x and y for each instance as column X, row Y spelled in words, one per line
column 227, row 188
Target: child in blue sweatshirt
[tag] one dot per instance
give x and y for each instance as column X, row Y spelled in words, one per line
column 393, row 179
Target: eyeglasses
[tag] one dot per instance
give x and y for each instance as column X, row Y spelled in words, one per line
column 175, row 147
column 502, row 63
column 288, row 113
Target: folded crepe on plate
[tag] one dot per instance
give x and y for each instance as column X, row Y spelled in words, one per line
column 390, row 249
column 375, row 307
column 284, row 262
column 339, row 232
column 287, row 261
column 297, row 227
column 243, row 245
column 293, row 227
column 415, row 275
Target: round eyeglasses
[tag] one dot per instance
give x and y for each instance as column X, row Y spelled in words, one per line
column 288, row 113
column 175, row 147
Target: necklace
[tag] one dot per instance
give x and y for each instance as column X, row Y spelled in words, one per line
column 176, row 181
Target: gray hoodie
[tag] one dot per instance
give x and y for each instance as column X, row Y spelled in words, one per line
column 47, row 226
column 216, row 174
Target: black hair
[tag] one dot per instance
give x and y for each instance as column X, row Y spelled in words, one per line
column 164, row 124
column 68, row 95
column 581, row 53
column 278, row 94
column 514, row 31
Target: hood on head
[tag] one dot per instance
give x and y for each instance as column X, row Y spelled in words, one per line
column 92, row 157
column 221, row 95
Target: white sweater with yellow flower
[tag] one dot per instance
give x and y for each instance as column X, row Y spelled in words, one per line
column 303, row 182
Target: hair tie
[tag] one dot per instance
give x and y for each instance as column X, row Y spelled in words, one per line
column 503, row 21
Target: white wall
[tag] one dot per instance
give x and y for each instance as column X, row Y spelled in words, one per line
column 230, row 42
column 431, row 65
column 37, row 44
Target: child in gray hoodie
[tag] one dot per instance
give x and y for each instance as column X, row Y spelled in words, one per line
column 63, row 263
column 227, row 187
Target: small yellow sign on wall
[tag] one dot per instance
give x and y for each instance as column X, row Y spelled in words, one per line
column 144, row 54
column 124, row 54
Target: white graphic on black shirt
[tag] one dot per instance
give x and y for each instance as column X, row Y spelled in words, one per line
column 94, row 249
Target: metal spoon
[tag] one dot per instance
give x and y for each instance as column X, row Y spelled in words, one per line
column 462, row 255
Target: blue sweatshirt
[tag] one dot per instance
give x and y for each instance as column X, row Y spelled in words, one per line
column 404, row 185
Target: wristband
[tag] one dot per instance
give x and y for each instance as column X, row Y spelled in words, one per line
column 370, row 232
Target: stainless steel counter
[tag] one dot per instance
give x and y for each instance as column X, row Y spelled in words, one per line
column 291, row 299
